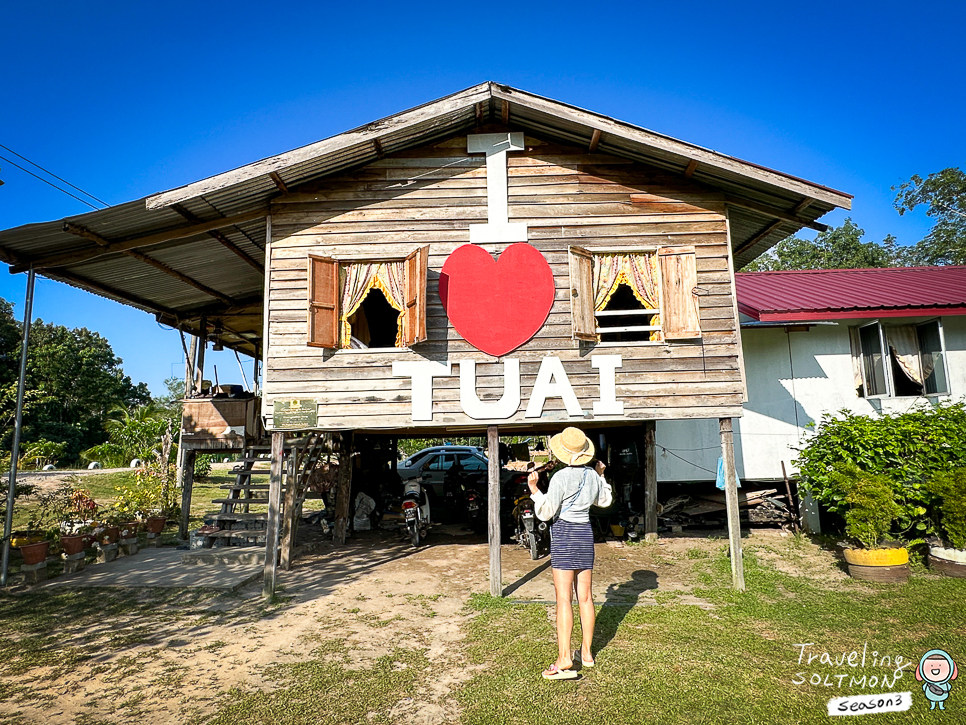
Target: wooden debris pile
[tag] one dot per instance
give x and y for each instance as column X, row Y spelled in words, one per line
column 759, row 507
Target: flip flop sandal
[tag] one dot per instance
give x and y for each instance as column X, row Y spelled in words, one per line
column 552, row 673
column 583, row 663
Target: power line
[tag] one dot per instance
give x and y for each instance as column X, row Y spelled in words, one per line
column 33, row 163
column 82, row 201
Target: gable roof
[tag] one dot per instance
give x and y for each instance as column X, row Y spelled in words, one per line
column 199, row 249
column 837, row 294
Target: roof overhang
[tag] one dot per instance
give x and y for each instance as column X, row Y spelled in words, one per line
column 196, row 253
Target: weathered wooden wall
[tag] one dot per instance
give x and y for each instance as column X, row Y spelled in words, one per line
column 567, row 196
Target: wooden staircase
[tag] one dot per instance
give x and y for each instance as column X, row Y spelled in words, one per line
column 237, row 524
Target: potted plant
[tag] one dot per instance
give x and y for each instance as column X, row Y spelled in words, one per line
column 155, row 524
column 869, row 505
column 76, row 522
column 947, row 554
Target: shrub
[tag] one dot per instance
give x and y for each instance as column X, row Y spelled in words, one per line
column 42, row 452
column 948, row 507
column 203, row 465
column 906, row 448
column 867, row 501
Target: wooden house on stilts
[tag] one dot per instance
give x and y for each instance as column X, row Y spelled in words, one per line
column 492, row 261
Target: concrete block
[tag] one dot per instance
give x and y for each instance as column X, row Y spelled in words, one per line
column 106, row 553
column 129, row 547
column 74, row 563
column 154, row 540
column 34, row 573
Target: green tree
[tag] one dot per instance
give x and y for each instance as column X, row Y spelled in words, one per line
column 839, row 247
column 944, row 194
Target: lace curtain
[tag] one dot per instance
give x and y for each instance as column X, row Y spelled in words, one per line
column 357, row 279
column 637, row 271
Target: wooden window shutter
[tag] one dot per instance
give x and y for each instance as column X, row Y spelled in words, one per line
column 582, row 313
column 323, row 302
column 414, row 324
column 679, row 277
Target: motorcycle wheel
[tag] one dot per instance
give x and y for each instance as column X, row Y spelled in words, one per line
column 414, row 535
column 534, row 546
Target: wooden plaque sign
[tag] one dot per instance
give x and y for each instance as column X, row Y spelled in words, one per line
column 295, row 414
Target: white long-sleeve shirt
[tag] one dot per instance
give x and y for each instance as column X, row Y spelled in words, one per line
column 573, row 500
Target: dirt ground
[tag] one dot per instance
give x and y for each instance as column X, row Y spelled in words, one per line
column 375, row 593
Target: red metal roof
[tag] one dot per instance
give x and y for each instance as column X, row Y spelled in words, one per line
column 830, row 294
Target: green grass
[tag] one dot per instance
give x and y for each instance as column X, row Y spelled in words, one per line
column 323, row 689
column 735, row 663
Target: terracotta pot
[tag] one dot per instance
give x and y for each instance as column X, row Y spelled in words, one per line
column 948, row 562
column 129, row 530
column 73, row 544
column 155, row 524
column 89, row 540
column 35, row 553
column 112, row 534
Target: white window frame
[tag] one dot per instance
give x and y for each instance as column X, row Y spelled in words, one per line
column 887, row 360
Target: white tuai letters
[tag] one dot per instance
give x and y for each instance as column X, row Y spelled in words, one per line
column 552, row 382
column 422, row 374
column 608, row 403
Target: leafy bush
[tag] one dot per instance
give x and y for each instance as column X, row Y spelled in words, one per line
column 867, row 502
column 906, row 448
column 40, row 453
column 134, row 433
column 203, row 466
column 949, row 505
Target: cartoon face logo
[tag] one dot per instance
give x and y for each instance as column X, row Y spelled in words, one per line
column 936, row 671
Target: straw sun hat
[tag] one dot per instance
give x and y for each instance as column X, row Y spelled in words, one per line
column 572, row 447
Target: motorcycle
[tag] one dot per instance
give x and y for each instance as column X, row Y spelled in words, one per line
column 415, row 508
column 531, row 533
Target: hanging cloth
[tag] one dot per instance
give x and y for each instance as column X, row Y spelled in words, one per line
column 357, row 280
column 637, row 271
column 905, row 346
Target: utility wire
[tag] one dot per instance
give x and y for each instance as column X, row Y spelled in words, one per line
column 33, row 163
column 82, row 201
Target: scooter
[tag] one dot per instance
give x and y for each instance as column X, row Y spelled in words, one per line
column 415, row 508
column 531, row 533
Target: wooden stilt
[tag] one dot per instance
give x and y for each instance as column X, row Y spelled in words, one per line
column 731, row 501
column 187, row 483
column 289, row 512
column 493, row 510
column 274, row 499
column 344, row 488
column 650, row 482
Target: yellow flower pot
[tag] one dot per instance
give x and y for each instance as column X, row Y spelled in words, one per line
column 876, row 557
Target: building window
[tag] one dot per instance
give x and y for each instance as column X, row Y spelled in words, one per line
column 367, row 303
column 634, row 295
column 899, row 360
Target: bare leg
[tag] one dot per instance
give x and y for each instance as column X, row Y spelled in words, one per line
column 588, row 617
column 563, row 584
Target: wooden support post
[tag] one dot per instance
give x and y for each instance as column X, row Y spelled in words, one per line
column 290, row 518
column 187, row 483
column 493, row 510
column 650, row 482
column 274, row 499
column 731, row 501
column 200, row 362
column 343, row 488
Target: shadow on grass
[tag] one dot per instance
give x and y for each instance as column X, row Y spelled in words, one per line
column 527, row 577
column 618, row 602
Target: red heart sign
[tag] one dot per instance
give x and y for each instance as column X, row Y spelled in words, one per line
column 496, row 305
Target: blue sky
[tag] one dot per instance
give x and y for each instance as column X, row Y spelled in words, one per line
column 127, row 99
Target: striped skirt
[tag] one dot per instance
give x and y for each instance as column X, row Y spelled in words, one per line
column 571, row 546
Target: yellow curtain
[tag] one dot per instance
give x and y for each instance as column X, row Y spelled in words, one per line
column 357, row 280
column 637, row 271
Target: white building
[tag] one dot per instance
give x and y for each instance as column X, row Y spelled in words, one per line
column 813, row 343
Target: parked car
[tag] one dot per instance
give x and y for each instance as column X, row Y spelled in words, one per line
column 438, row 460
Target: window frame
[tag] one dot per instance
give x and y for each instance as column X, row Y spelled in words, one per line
column 579, row 297
column 421, row 255
column 887, row 360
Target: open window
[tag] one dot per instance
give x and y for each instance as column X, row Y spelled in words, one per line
column 632, row 296
column 367, row 303
column 899, row 360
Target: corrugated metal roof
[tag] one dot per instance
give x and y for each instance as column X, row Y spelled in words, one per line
column 814, row 295
column 764, row 207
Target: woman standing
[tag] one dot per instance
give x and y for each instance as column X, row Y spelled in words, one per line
column 573, row 490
